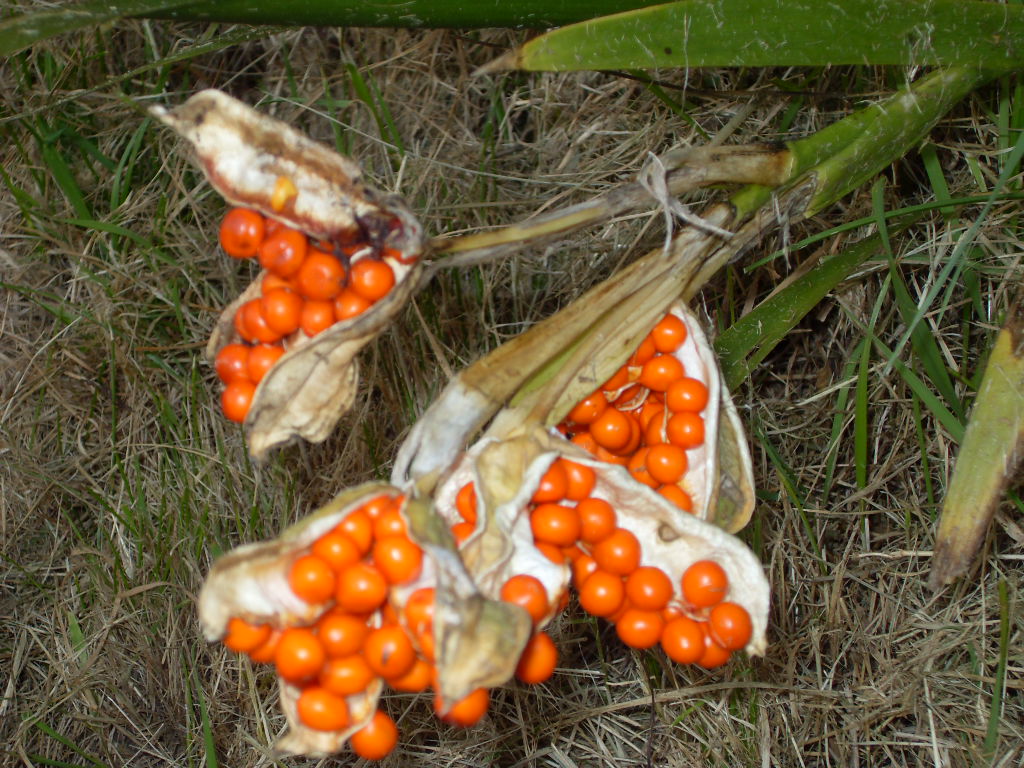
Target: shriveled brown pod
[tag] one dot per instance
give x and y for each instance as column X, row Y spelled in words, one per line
column 263, row 164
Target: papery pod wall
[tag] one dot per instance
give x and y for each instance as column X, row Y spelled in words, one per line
column 269, row 168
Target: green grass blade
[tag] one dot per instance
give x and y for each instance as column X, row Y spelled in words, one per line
column 759, row 33
column 750, row 339
column 20, row 32
column 68, row 743
column 992, row 732
column 922, row 341
column 953, row 266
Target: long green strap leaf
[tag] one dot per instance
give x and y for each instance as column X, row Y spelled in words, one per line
column 755, row 33
column 19, row 32
column 22, row 31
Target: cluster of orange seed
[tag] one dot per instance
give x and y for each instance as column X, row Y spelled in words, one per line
column 647, row 416
column 361, row 637
column 307, row 288
column 691, row 620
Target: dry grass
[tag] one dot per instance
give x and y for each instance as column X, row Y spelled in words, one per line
column 120, row 481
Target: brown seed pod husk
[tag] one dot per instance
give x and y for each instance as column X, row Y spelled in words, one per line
column 247, row 156
column 251, row 583
column 502, row 544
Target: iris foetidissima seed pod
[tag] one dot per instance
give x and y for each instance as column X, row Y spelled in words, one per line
column 262, row 164
column 467, row 641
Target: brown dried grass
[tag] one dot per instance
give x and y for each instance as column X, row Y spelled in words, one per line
column 120, row 480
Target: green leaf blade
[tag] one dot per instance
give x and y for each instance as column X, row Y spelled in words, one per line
column 754, row 33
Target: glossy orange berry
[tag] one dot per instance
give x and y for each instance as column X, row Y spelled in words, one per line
column 552, row 552
column 272, row 282
column 682, row 640
column 262, row 359
column 241, row 232
column 361, row 588
column 597, row 519
column 337, row 550
column 346, row 675
column 399, row 559
column 714, row 655
column 371, row 278
column 649, row 588
column 579, row 480
column 618, row 553
column 730, row 626
column 617, row 381
column 650, row 410
column 612, row 429
column 243, row 637
column 264, row 654
column 555, row 524
column 376, row 739
column 256, row 323
column 538, row 660
column 602, row 593
column 284, row 252
column 341, row 634
column 462, row 531
column 299, row 655
column 607, row 457
column 321, row 276
column 240, row 325
column 660, row 371
column 586, row 441
column 669, row 334
column 582, row 567
column 677, row 496
column 358, row 526
column 467, row 712
column 389, row 651
column 236, row 399
column 349, row 304
column 417, row 679
column 321, row 710
column 419, row 610
column 638, row 628
column 666, row 463
column 704, row 584
column 389, row 523
column 686, row 394
column 685, row 429
column 638, row 468
column 378, row 505
column 312, row 579
column 654, row 432
column 232, row 363
column 553, row 485
column 589, row 408
column 644, row 352
column 316, row 317
column 282, row 309
column 528, row 593
column 465, row 502
column 635, row 436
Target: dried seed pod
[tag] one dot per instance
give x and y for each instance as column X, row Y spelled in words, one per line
column 474, row 636
column 506, row 474
column 263, row 164
column 251, row 583
column 718, row 477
